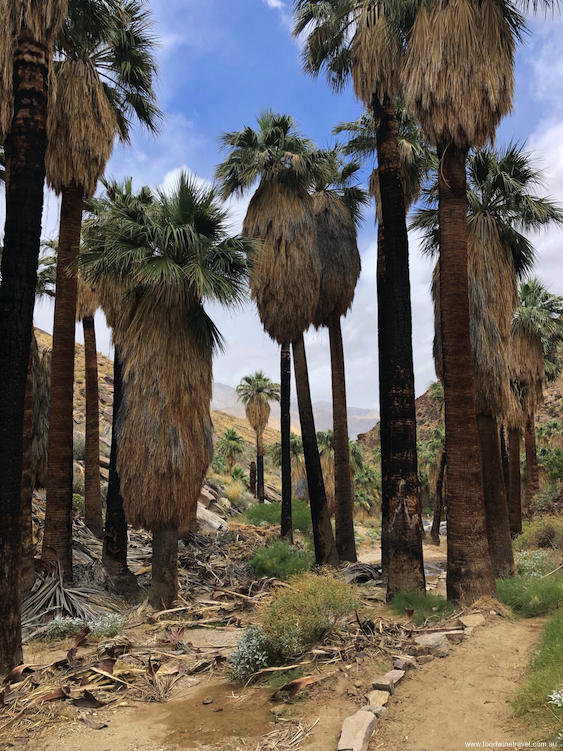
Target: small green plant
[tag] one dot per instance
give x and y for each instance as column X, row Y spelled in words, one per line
column 530, row 596
column 239, row 475
column 282, row 560
column 219, row 465
column 534, row 562
column 542, row 501
column 271, row 514
column 78, row 446
column 544, row 532
column 78, row 503
column 106, row 627
column 277, row 680
column 252, row 653
column 426, row 607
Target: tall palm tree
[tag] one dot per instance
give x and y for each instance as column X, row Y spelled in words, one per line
column 104, row 74
column 500, row 204
column 256, row 392
column 351, row 38
column 169, row 253
column 285, row 281
column 537, row 323
column 28, row 31
column 337, row 205
column 230, row 445
column 458, row 81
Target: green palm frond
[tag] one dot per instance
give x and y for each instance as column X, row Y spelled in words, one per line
column 258, row 388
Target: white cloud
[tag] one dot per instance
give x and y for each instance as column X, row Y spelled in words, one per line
column 274, row 3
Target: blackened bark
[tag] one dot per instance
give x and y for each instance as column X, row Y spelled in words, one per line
column 505, row 460
column 260, row 465
column 496, row 506
column 470, row 573
column 515, row 486
column 57, row 541
column 439, row 505
column 164, row 582
column 26, row 145
column 92, row 494
column 344, row 499
column 285, row 426
column 28, row 563
column 532, row 472
column 325, row 547
column 114, row 556
column 401, row 519
column 253, row 478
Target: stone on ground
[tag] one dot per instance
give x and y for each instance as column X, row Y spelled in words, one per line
column 378, row 698
column 438, row 644
column 384, row 683
column 472, row 620
column 356, row 731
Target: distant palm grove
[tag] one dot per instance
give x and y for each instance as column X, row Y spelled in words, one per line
column 435, row 79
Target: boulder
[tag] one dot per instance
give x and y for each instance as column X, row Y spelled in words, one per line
column 395, row 676
column 383, row 683
column 377, row 698
column 404, row 663
column 438, row 644
column 425, row 659
column 356, row 731
column 472, row 620
column 206, row 497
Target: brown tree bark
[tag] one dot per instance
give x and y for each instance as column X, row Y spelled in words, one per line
column 344, row 500
column 325, row 547
column 401, row 519
column 515, row 487
column 24, row 202
column 532, row 473
column 470, row 573
column 439, row 507
column 253, row 479
column 285, row 427
column 57, row 541
column 164, row 582
column 92, row 493
column 28, row 563
column 496, row 506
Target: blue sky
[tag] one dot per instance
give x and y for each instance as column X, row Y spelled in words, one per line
column 220, row 63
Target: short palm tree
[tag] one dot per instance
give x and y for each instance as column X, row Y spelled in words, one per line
column 500, row 204
column 230, row 445
column 168, row 254
column 297, row 460
column 27, row 36
column 285, row 281
column 256, row 392
column 104, row 72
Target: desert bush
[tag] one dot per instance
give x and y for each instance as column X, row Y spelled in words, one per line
column 252, row 653
column 271, row 514
column 534, row 562
column 78, row 483
column 78, row 446
column 530, row 596
column 541, row 503
column 426, row 607
column 234, row 491
column 106, row 627
column 296, row 618
column 238, row 474
column 544, row 532
column 282, row 560
column 78, row 503
column 219, row 465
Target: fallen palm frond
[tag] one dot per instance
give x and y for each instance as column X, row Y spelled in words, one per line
column 285, row 737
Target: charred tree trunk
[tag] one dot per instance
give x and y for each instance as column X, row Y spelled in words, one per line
column 260, row 464
column 26, row 145
column 344, row 500
column 505, row 460
column 92, row 494
column 325, row 547
column 439, row 508
column 515, row 487
column 164, row 582
column 57, row 541
column 28, row 564
column 470, row 573
column 532, row 473
column 401, row 520
column 285, row 420
column 496, row 506
column 253, row 478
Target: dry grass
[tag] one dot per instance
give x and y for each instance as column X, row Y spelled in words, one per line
column 376, row 57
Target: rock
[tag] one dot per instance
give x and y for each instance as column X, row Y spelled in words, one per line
column 384, row 683
column 438, row 644
column 206, row 497
column 104, row 474
column 356, row 731
column 418, row 649
column 207, row 700
column 469, row 630
column 424, row 659
column 207, row 522
column 455, row 637
column 404, row 663
column 380, row 712
column 396, row 676
column 473, row 619
column 377, row 698
column 358, row 684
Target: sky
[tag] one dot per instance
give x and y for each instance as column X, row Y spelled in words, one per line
column 221, row 62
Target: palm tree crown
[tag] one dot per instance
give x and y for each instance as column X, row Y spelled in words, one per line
column 256, row 392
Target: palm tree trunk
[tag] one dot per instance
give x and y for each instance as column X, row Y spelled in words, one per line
column 260, row 464
column 496, row 506
column 114, row 556
column 164, row 582
column 470, row 573
column 399, row 466
column 515, row 485
column 57, row 541
column 285, row 427
column 344, row 501
column 505, row 460
column 325, row 547
column 24, row 203
column 28, row 564
column 253, row 479
column 92, row 494
column 439, row 508
column 532, row 473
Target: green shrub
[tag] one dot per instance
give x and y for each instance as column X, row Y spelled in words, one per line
column 219, row 465
column 545, row 532
column 252, row 653
column 282, row 560
column 238, row 474
column 271, row 514
column 106, row 627
column 534, row 562
column 78, row 483
column 530, row 596
column 434, row 607
column 78, row 446
column 78, row 503
column 298, row 617
column 542, row 501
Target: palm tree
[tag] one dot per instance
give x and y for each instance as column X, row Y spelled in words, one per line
column 337, row 213
column 167, row 254
column 346, row 38
column 499, row 204
column 458, row 81
column 26, row 49
column 256, row 392
column 104, row 75
column 285, row 281
column 296, row 453
column 536, row 324
column 230, row 445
